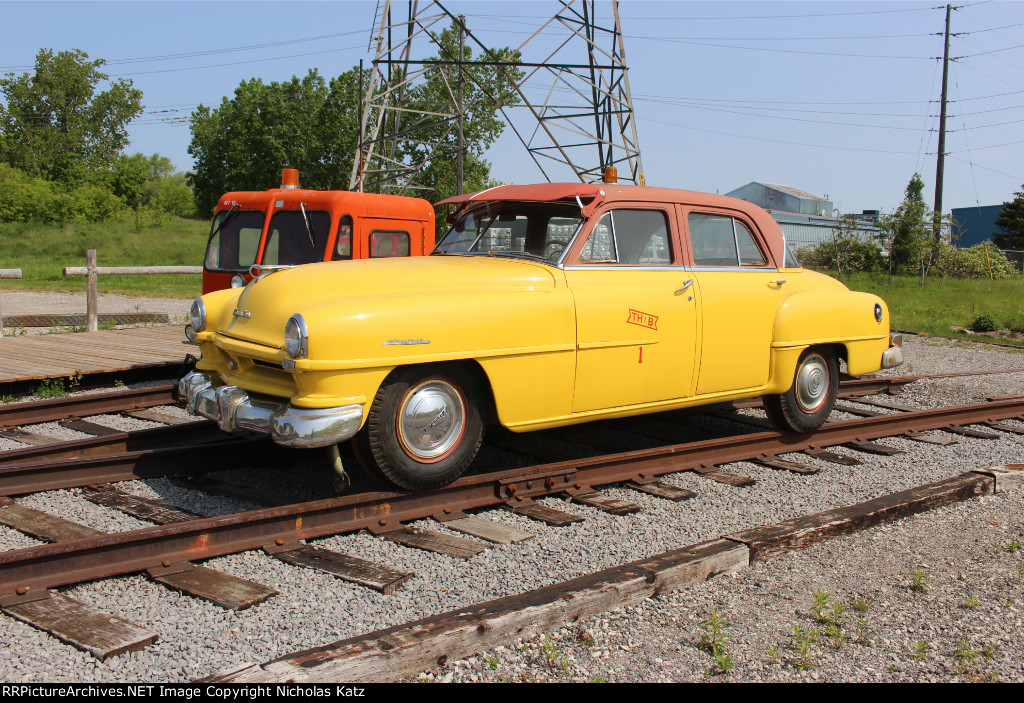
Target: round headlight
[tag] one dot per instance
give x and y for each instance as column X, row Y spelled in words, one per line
column 296, row 337
column 197, row 315
column 237, row 281
column 878, row 312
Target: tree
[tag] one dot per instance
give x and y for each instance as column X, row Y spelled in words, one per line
column 245, row 143
column 907, row 232
column 484, row 90
column 56, row 125
column 1011, row 222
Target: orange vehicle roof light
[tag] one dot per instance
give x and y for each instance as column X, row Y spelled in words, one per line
column 611, row 174
column 290, row 178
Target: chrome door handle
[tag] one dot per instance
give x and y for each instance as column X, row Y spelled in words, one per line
column 686, row 285
column 777, row 282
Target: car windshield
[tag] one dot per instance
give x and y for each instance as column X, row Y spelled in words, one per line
column 536, row 230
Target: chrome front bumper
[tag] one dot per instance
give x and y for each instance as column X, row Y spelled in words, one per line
column 233, row 409
column 893, row 356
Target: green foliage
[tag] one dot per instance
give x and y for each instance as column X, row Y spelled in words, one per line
column 1011, row 222
column 244, row 143
column 25, row 198
column 107, row 196
column 51, row 388
column 485, row 89
column 985, row 323
column 919, row 581
column 907, row 233
column 803, row 647
column 56, row 126
column 980, row 261
column 715, row 639
column 843, row 254
column 714, row 631
column 921, row 650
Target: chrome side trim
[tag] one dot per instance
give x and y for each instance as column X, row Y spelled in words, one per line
column 403, row 342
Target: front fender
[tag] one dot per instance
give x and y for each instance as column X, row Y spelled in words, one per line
column 846, row 318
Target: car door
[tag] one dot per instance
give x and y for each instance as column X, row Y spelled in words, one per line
column 635, row 313
column 740, row 290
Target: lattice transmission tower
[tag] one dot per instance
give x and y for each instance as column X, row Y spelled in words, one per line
column 572, row 110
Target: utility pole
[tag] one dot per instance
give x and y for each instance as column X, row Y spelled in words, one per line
column 940, row 162
column 459, row 181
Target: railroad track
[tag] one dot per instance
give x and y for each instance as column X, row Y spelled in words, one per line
column 180, row 537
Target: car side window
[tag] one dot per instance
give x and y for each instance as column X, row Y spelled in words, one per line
column 750, row 253
column 629, row 237
column 719, row 240
column 712, row 239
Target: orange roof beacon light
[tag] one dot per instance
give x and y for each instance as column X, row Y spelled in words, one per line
column 290, row 178
column 611, row 174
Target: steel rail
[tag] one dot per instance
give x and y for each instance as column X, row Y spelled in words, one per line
column 149, row 454
column 35, row 411
column 213, row 455
column 201, row 431
column 127, row 456
column 76, row 561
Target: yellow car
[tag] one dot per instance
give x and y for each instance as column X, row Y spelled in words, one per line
column 544, row 305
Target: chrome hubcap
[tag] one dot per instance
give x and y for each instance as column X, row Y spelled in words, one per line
column 431, row 420
column 812, row 384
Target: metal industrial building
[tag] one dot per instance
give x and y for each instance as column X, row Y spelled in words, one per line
column 974, row 225
column 806, row 219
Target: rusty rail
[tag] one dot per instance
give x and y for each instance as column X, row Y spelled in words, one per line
column 35, row 411
column 57, row 564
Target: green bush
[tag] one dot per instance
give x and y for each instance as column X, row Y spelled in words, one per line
column 857, row 255
column 24, row 198
column 973, row 263
column 986, row 323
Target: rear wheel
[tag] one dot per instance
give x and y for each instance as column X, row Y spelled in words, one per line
column 808, row 403
column 424, row 427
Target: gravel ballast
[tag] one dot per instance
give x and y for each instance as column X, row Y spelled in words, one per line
column 975, row 589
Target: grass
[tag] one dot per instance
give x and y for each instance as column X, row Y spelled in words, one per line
column 942, row 304
column 42, row 251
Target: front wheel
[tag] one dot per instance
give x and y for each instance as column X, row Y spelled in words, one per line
column 808, row 403
column 424, row 427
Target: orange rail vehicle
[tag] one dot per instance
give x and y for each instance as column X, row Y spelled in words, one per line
column 257, row 231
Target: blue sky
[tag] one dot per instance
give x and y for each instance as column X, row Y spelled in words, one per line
column 834, row 98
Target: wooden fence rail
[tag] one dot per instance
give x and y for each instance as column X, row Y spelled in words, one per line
column 92, row 272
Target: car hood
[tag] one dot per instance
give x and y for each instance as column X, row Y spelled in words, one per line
column 360, row 287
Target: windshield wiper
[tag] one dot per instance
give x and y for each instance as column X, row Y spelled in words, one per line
column 309, row 228
column 219, row 225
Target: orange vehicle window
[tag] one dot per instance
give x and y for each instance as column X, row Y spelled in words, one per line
column 235, row 241
column 343, row 243
column 385, row 243
column 290, row 242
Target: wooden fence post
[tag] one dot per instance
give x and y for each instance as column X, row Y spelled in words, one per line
column 91, row 294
